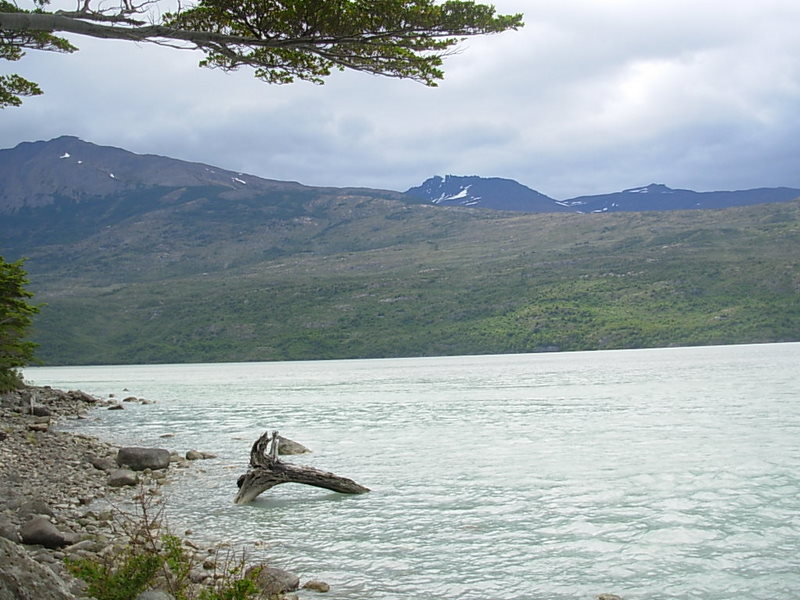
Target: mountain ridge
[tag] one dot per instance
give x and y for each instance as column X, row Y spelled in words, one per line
column 216, row 270
column 507, row 194
column 40, row 173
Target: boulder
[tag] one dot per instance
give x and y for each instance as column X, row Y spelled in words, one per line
column 272, row 581
column 41, row 411
column 139, row 459
column 22, row 578
column 41, row 532
column 122, row 477
column 289, row 447
column 35, row 506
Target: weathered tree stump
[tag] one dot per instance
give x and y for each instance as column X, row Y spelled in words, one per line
column 267, row 470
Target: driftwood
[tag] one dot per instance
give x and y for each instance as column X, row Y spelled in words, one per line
column 267, row 470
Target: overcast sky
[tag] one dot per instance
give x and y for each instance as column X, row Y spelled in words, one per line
column 592, row 96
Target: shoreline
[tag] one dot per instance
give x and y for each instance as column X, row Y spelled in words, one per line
column 64, row 482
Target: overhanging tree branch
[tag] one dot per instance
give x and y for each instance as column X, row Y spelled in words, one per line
column 281, row 41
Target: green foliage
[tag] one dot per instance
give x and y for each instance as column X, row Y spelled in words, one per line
column 153, row 558
column 399, row 38
column 13, row 86
column 381, row 279
column 16, row 316
column 281, row 41
column 124, row 578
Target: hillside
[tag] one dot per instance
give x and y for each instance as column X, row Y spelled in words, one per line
column 169, row 271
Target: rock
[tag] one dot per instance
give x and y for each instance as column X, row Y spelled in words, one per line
column 35, row 506
column 167, row 435
column 40, row 427
column 140, row 459
column 289, row 447
column 82, row 396
column 8, row 530
column 197, row 455
column 103, row 464
column 41, row 411
column 130, row 399
column 122, row 477
column 41, row 532
column 22, row 578
column 316, row 585
column 116, row 407
column 154, row 595
column 3, row 435
column 198, row 576
column 609, row 597
column 272, row 581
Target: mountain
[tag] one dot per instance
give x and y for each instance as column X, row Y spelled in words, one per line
column 660, row 197
column 480, row 192
column 507, row 194
column 169, row 261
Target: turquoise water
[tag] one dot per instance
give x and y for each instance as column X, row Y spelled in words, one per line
column 669, row 473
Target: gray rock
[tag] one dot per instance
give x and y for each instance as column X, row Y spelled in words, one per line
column 197, row 455
column 41, row 532
column 35, row 506
column 103, row 464
column 289, row 447
column 272, row 581
column 315, row 585
column 41, row 411
column 116, row 407
column 122, row 477
column 22, row 578
column 140, row 459
column 8, row 530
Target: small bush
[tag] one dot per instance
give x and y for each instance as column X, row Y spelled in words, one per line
column 153, row 558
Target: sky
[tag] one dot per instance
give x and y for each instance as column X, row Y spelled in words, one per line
column 590, row 97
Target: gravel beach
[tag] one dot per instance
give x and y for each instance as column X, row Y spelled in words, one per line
column 59, row 494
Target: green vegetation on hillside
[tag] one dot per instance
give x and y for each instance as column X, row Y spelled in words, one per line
column 378, row 278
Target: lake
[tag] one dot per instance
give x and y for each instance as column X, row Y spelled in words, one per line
column 660, row 473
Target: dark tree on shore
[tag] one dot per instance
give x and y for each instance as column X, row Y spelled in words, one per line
column 282, row 40
column 16, row 316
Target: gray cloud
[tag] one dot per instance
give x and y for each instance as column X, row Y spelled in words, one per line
column 590, row 97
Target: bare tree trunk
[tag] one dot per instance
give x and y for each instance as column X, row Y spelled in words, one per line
column 267, row 471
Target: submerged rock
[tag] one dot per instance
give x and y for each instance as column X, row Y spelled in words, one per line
column 316, row 585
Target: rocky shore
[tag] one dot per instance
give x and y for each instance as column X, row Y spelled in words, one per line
column 58, row 492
